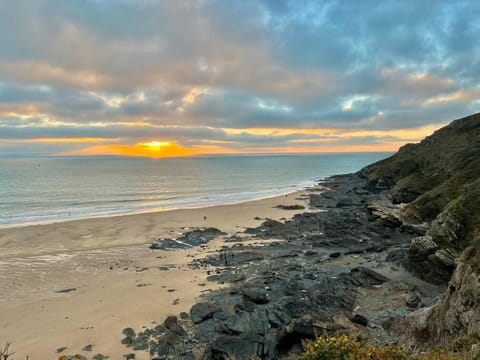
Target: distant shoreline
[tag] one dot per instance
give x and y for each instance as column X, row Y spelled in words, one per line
column 231, row 199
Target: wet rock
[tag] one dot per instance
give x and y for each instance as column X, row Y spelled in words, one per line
column 291, row 207
column 65, row 291
column 190, row 239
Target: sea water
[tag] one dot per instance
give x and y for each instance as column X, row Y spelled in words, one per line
column 45, row 190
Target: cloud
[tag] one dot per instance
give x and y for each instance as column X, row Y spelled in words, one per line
column 185, row 71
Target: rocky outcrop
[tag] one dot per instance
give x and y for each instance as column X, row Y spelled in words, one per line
column 429, row 262
column 455, row 316
column 439, row 182
column 190, row 239
column 459, row 312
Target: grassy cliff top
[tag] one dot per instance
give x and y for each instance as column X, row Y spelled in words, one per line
column 431, row 174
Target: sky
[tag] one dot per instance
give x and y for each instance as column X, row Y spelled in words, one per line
column 189, row 77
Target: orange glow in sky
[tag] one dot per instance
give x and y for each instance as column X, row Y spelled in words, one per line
column 321, row 140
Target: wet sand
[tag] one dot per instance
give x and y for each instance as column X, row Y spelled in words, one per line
column 115, row 280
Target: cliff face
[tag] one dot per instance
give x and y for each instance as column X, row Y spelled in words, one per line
column 439, row 182
column 429, row 175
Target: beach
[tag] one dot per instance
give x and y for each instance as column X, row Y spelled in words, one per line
column 77, row 283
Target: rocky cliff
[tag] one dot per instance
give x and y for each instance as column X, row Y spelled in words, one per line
column 438, row 181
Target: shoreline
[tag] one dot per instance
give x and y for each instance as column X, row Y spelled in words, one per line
column 81, row 282
column 303, row 186
column 156, row 224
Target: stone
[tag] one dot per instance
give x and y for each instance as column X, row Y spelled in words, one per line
column 413, row 301
column 99, row 357
column 129, row 332
column 344, row 202
column 203, row 311
column 88, row 347
column 170, row 321
column 360, row 320
column 256, row 295
column 362, row 276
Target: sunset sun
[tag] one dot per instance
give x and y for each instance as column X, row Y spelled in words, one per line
column 156, row 145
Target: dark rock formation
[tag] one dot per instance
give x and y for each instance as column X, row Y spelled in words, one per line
column 439, row 179
column 190, row 239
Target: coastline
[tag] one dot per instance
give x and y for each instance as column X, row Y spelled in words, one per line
column 135, row 229
column 182, row 204
column 116, row 277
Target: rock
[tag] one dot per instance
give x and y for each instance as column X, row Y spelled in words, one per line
column 413, row 301
column 203, row 311
column 360, row 320
column 61, row 349
column 129, row 332
column 335, row 254
column 65, row 291
column 388, row 216
column 141, row 342
column 88, row 347
column 421, row 247
column 291, row 207
column 345, row 202
column 172, row 325
column 170, row 321
column 429, row 262
column 415, row 229
column 184, row 315
column 229, row 347
column 172, row 338
column 302, row 328
column 99, row 357
column 256, row 295
column 190, row 239
column 362, row 276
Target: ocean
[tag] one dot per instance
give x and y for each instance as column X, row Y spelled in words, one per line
column 52, row 189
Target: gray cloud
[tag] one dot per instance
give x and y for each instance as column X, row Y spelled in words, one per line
column 199, row 66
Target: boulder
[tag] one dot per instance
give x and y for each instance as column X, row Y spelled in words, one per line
column 256, row 295
column 203, row 311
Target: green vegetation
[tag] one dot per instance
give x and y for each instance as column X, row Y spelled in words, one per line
column 434, row 172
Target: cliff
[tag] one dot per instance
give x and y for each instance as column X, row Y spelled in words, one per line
column 438, row 181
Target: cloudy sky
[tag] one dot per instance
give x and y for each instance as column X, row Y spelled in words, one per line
column 185, row 77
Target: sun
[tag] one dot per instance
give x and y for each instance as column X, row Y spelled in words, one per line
column 156, row 144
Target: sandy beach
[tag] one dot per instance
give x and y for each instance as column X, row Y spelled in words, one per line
column 81, row 282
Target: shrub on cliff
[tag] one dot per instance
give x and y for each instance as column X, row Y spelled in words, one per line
column 344, row 348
